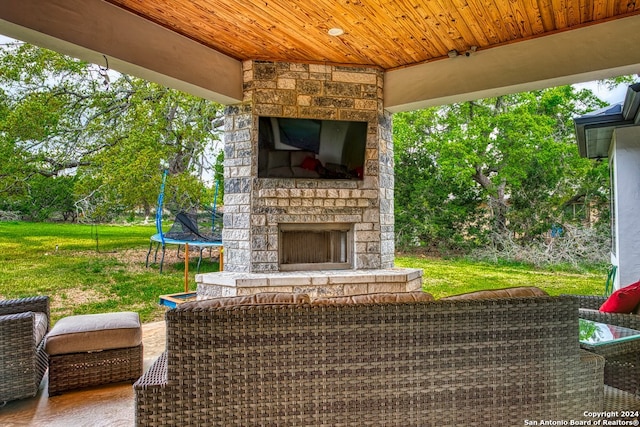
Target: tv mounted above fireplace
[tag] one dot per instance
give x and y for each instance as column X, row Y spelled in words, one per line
column 310, row 148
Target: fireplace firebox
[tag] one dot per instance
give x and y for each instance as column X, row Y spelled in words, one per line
column 315, row 246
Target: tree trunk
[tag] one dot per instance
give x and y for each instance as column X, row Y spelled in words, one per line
column 500, row 210
column 497, row 201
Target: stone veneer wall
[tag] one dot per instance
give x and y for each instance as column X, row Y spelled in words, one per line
column 253, row 207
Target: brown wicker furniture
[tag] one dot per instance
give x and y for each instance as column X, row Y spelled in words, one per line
column 439, row 363
column 590, row 304
column 23, row 361
column 94, row 349
column 617, row 355
column 621, row 350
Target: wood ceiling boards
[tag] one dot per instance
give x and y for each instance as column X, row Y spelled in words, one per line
column 383, row 33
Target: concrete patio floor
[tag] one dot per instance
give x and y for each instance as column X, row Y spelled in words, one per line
column 111, row 405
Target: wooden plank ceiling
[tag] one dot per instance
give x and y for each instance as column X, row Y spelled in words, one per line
column 388, row 34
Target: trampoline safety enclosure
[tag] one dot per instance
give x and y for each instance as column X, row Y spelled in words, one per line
column 185, row 229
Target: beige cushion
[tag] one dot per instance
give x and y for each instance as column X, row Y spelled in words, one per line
column 40, row 326
column 523, row 291
column 383, row 297
column 275, row 298
column 283, row 172
column 94, row 332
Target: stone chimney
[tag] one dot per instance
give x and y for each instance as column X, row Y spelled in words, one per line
column 256, row 209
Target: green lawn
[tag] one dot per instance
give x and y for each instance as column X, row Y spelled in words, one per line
column 87, row 269
column 450, row 277
column 85, row 274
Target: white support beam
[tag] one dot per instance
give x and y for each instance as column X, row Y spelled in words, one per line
column 589, row 53
column 89, row 29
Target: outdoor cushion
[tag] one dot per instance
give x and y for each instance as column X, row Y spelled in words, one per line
column 522, row 291
column 310, row 163
column 281, row 172
column 94, row 332
column 279, row 159
column 383, row 297
column 275, row 298
column 279, row 165
column 300, row 172
column 40, row 325
column 624, row 300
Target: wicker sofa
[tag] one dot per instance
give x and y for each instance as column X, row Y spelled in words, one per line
column 435, row 363
column 24, row 323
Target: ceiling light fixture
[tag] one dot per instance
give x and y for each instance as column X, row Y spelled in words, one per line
column 335, row 31
column 453, row 53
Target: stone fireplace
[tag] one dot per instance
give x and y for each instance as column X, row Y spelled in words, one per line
column 284, row 227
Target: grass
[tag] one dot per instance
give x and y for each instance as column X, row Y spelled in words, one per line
column 88, row 269
column 456, row 276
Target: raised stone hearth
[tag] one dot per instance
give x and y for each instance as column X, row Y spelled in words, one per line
column 313, row 283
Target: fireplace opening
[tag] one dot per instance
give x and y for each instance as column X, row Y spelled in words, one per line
column 315, row 246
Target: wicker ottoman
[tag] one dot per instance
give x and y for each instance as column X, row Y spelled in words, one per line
column 94, row 349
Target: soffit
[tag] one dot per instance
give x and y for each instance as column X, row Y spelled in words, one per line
column 594, row 131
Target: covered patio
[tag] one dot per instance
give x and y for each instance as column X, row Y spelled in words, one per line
column 356, row 62
column 347, row 60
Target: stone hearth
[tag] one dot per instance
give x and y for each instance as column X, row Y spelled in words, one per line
column 313, row 283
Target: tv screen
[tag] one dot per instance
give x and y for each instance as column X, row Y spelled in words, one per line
column 310, row 148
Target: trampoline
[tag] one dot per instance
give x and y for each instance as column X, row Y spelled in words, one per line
column 185, row 230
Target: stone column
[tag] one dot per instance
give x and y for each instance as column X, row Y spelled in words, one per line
column 238, row 155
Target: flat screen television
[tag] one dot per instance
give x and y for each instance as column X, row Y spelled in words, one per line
column 310, row 148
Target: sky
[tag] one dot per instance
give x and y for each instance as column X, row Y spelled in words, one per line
column 611, row 96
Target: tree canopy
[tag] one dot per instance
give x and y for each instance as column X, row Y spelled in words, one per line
column 99, row 138
column 508, row 164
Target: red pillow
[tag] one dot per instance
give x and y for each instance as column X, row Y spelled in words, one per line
column 309, row 163
column 624, row 300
